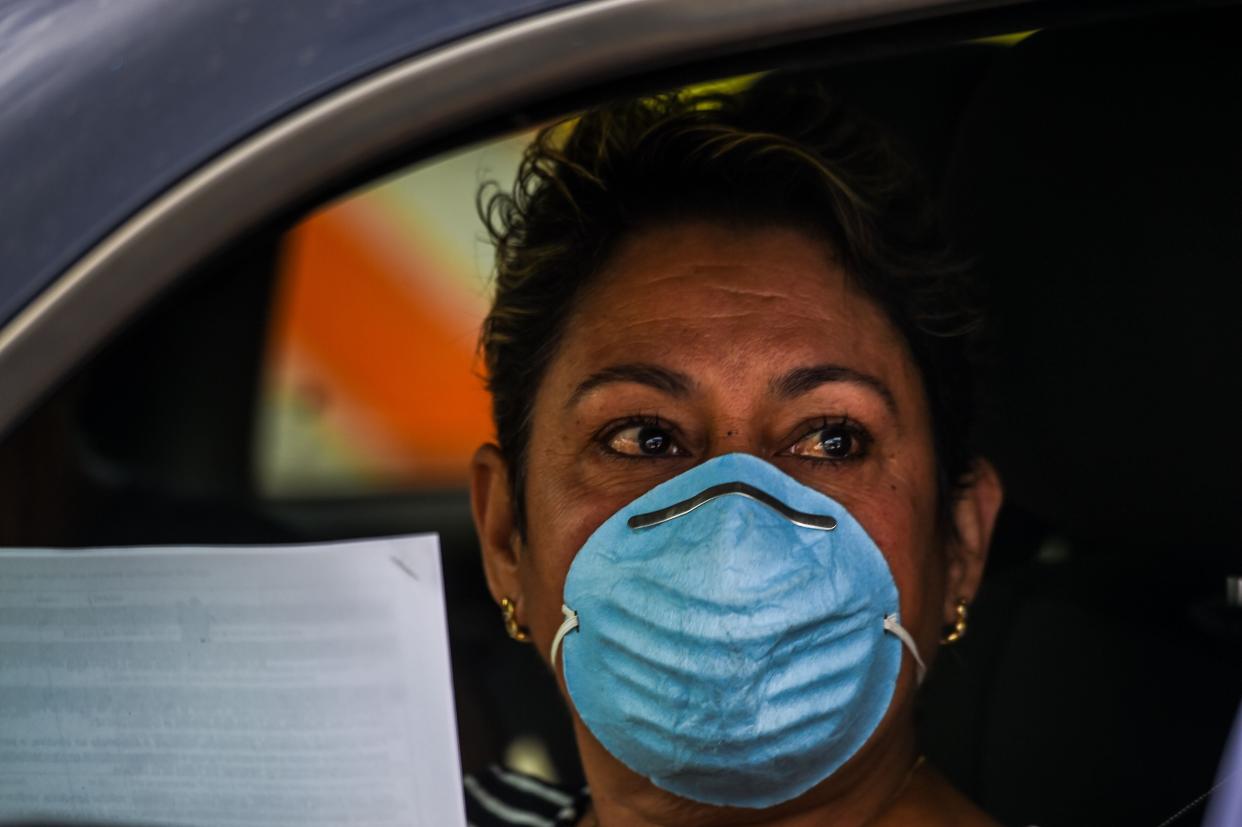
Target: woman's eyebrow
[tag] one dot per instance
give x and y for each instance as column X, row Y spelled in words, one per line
column 662, row 379
column 803, row 380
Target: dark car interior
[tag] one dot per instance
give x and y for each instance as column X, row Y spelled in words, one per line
column 1091, row 172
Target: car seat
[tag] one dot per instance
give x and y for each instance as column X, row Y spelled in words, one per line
column 1097, row 177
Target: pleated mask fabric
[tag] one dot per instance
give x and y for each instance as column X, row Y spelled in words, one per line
column 729, row 655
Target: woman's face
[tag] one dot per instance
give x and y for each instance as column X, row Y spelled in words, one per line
column 699, row 340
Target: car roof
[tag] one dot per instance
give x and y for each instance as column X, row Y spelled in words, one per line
column 106, row 105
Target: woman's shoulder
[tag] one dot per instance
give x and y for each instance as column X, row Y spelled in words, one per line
column 497, row 797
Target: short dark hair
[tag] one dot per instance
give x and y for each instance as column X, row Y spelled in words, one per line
column 781, row 153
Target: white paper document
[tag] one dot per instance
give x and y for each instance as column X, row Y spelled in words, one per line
column 303, row 685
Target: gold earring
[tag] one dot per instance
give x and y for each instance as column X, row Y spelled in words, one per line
column 959, row 625
column 508, row 613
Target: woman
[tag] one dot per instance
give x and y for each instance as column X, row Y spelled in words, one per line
column 731, row 502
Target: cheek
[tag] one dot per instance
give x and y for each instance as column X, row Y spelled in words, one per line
column 901, row 519
column 561, row 513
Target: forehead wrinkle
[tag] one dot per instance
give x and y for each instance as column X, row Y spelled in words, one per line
column 803, row 299
column 793, row 307
column 742, row 283
column 733, row 331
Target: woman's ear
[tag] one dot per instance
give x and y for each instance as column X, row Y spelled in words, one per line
column 974, row 515
column 492, row 504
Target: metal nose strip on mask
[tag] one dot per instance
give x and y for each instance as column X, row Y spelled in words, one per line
column 820, row 521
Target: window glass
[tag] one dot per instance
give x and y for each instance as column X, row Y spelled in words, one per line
column 371, row 381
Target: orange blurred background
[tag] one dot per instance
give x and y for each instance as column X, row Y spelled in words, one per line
column 372, row 381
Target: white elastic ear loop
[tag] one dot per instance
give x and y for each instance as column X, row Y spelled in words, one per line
column 892, row 624
column 567, row 625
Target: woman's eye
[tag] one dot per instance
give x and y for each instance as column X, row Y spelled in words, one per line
column 838, row 441
column 644, row 441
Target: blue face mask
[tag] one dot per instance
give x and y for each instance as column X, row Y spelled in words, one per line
column 732, row 634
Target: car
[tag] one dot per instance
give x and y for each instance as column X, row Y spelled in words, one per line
column 210, row 225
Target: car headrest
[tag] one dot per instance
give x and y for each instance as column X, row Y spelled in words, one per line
column 1097, row 181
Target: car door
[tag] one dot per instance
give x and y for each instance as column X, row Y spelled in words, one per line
column 196, row 206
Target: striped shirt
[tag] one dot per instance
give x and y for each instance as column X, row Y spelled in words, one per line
column 498, row 797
